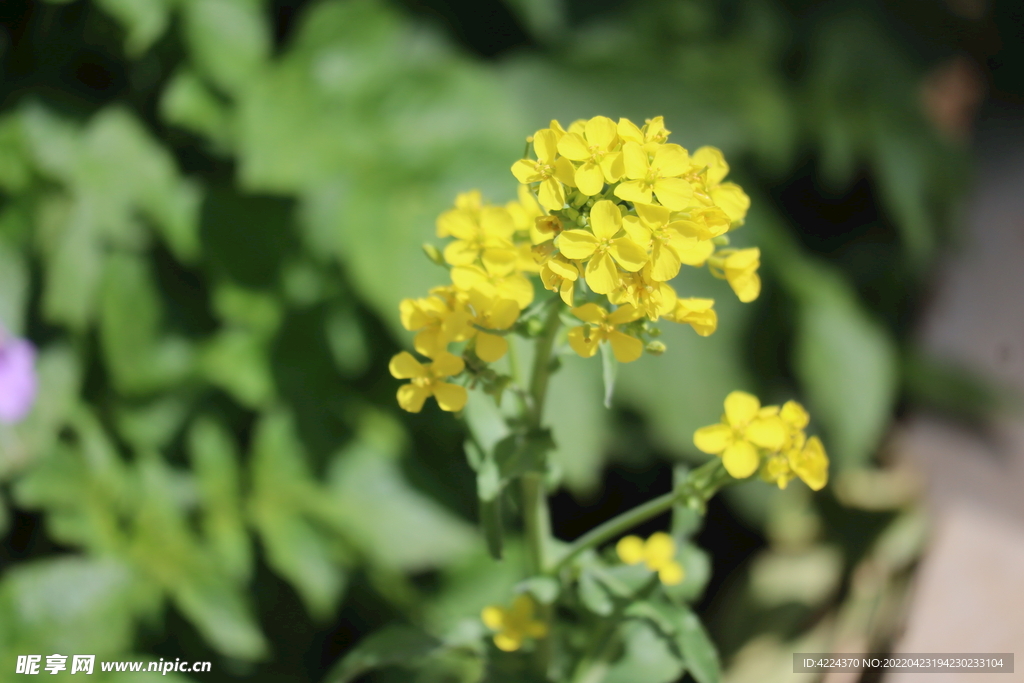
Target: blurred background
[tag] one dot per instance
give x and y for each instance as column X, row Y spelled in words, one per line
column 210, row 209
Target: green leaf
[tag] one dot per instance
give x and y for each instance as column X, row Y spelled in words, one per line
column 152, row 426
column 848, row 365
column 220, row 614
column 348, row 341
column 238, row 361
column 518, row 454
column 579, row 422
column 391, row 646
column 283, row 490
column 138, row 359
column 698, row 650
column 609, row 368
column 228, row 40
column 593, row 595
column 144, row 20
column 647, row 657
column 697, row 564
column 374, row 508
column 54, row 605
column 214, row 459
column 14, row 280
column 247, row 308
column 188, row 103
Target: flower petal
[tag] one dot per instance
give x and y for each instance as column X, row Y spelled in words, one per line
column 671, row 574
column 490, row 347
column 634, row 160
column 811, row 465
column 714, row 160
column 625, row 347
column 675, row 193
column 628, row 254
column 591, row 313
column 525, row 171
column 767, row 432
column 731, row 198
column 577, row 244
column 741, row 407
column 713, row 439
column 450, row 397
column 411, row 397
column 404, row 366
column 740, row 459
column 670, row 161
column 659, row 550
column 605, row 219
column 574, row 147
column 603, row 132
column 602, row 275
column 633, row 191
column 545, row 144
column 589, row 179
column 582, row 343
column 794, row 414
column 551, row 195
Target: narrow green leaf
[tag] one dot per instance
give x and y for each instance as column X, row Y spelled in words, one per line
column 391, row 646
column 489, row 486
column 698, row 650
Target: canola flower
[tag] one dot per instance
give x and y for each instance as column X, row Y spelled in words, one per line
column 515, row 624
column 769, row 439
column 657, row 553
column 607, row 214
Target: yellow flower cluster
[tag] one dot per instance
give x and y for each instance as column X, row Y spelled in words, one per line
column 607, row 212
column 658, row 553
column 514, row 625
column 751, row 437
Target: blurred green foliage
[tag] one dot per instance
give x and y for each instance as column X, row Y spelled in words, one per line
column 213, row 397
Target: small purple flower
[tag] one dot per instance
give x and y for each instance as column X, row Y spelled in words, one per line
column 17, row 378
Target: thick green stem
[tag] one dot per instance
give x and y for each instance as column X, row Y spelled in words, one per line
column 700, row 485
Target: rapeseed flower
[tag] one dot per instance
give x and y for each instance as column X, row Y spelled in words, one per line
column 697, row 313
column 559, row 274
column 492, row 314
column 658, row 553
column 659, row 174
column 438, row 320
column 596, row 149
column 738, row 267
column 654, row 299
column 550, row 170
column 727, row 196
column 427, row 380
column 514, row 625
column 604, row 326
column 745, row 428
column 668, row 241
column 605, row 247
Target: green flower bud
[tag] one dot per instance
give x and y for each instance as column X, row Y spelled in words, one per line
column 434, row 254
column 656, row 348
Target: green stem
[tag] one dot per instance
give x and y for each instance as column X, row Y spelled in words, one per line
column 699, row 486
column 542, row 365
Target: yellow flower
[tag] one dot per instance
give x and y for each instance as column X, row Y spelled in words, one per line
column 559, row 274
column 494, row 283
column 653, row 298
column 603, row 326
column 525, row 213
column 704, row 223
column 658, row 552
column 427, row 381
column 514, row 625
column 811, row 464
column 550, row 170
column 745, row 427
column 484, row 234
column 493, row 314
column 650, row 137
column 739, row 268
column 730, row 197
column 603, row 248
column 438, row 320
column 670, row 245
column 596, row 149
column 661, row 175
column 698, row 313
